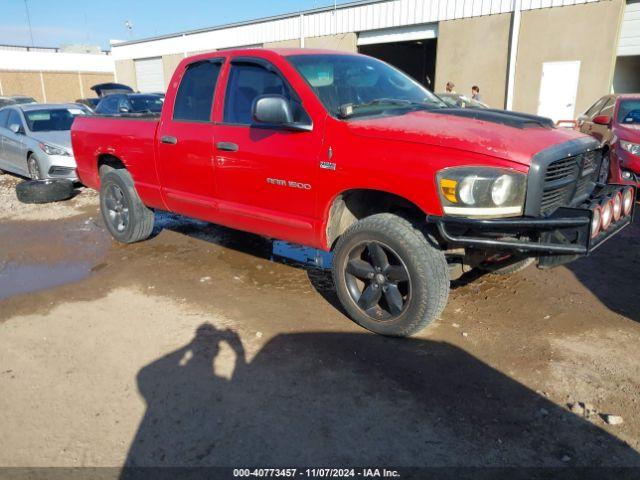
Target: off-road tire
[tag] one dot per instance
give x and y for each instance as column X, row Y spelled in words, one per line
column 140, row 218
column 509, row 269
column 44, row 191
column 425, row 263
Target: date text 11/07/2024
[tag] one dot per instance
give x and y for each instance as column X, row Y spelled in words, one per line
column 316, row 473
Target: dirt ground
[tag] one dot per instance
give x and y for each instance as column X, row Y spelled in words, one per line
column 195, row 348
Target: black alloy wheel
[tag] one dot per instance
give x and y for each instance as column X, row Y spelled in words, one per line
column 378, row 281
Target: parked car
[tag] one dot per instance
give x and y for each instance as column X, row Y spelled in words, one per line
column 102, row 90
column 110, row 88
column 614, row 120
column 344, row 153
column 15, row 100
column 90, row 103
column 130, row 103
column 35, row 140
column 461, row 101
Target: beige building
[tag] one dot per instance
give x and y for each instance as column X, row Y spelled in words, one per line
column 50, row 75
column 537, row 56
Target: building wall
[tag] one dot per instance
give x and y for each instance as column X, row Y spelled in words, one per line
column 22, row 83
column 126, row 73
column 295, row 43
column 474, row 51
column 343, row 41
column 170, row 62
column 586, row 32
column 58, row 86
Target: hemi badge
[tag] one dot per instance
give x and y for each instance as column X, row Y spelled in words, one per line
column 328, row 165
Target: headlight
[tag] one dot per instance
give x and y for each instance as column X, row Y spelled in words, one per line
column 53, row 150
column 633, row 148
column 482, row 191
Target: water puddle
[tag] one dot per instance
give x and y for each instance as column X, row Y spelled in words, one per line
column 18, row 279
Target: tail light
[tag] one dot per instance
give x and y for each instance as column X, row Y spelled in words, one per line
column 617, row 206
column 627, row 201
column 596, row 221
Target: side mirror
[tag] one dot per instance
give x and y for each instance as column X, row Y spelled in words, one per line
column 273, row 110
column 602, row 120
column 15, row 128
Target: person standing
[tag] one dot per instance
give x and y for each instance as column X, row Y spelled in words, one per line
column 450, row 87
column 475, row 93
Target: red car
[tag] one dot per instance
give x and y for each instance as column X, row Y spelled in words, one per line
column 615, row 121
column 343, row 153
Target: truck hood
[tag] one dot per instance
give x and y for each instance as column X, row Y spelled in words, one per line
column 59, row 139
column 515, row 141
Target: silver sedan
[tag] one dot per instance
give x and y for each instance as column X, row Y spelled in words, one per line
column 35, row 140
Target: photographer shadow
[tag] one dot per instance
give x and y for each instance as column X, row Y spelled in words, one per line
column 351, row 399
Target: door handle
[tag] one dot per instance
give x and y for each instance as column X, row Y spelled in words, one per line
column 169, row 140
column 227, row 146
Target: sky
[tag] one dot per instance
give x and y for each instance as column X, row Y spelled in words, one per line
column 62, row 22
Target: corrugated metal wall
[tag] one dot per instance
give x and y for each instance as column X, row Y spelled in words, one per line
column 629, row 43
column 349, row 18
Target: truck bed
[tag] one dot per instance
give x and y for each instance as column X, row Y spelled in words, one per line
column 129, row 138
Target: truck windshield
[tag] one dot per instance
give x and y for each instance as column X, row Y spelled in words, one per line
column 352, row 85
column 629, row 111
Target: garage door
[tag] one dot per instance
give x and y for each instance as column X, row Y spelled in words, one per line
column 629, row 43
column 150, row 75
column 400, row 34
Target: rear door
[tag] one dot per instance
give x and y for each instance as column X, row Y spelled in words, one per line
column 265, row 177
column 185, row 141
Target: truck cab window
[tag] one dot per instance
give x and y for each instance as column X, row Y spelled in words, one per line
column 247, row 81
column 195, row 94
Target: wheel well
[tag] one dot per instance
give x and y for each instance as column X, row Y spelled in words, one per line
column 353, row 205
column 110, row 161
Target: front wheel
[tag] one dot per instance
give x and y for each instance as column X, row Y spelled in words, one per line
column 389, row 278
column 126, row 217
column 35, row 172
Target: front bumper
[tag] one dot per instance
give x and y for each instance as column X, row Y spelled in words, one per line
column 567, row 232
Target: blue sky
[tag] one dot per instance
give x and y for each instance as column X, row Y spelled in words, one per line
column 57, row 22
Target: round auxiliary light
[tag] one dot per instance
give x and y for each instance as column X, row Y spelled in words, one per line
column 596, row 221
column 607, row 214
column 627, row 201
column 617, row 206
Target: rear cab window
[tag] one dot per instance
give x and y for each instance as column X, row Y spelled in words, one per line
column 194, row 99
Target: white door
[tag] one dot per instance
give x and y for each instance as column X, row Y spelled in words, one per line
column 558, row 89
column 150, row 75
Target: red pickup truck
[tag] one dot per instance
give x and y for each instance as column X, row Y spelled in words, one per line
column 343, row 153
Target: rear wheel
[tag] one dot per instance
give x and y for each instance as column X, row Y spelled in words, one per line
column 388, row 277
column 126, row 217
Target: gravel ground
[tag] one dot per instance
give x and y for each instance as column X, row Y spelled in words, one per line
column 194, row 348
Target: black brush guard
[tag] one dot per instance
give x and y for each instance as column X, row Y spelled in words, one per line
column 556, row 239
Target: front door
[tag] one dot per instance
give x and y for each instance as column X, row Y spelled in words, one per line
column 13, row 144
column 558, row 90
column 185, row 142
column 266, row 177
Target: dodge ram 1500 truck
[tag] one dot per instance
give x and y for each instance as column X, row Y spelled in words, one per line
column 342, row 152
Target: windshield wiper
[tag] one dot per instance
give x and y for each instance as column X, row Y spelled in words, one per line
column 349, row 109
